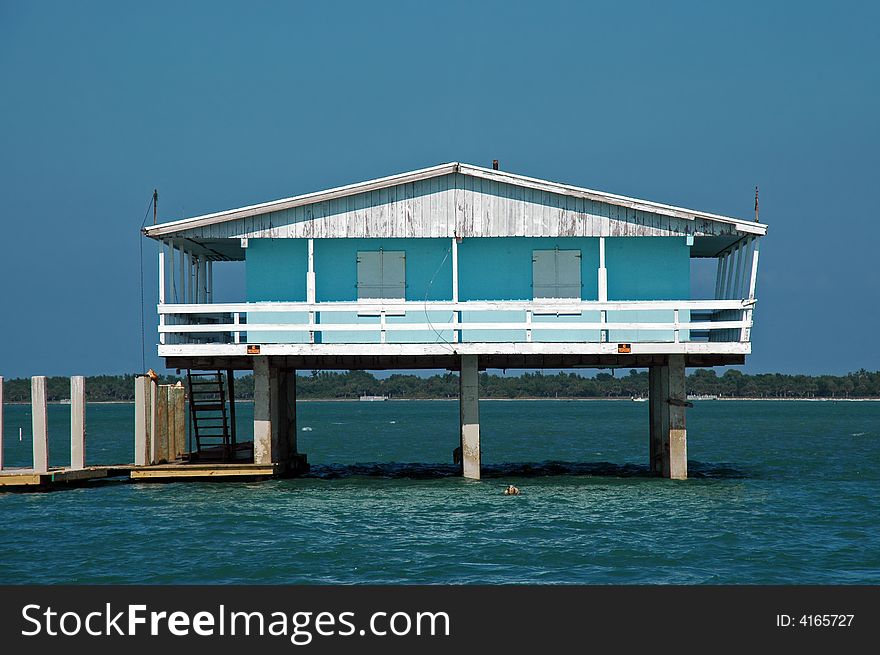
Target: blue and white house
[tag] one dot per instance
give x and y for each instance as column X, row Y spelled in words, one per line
column 461, row 267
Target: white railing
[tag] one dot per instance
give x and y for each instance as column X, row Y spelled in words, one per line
column 726, row 320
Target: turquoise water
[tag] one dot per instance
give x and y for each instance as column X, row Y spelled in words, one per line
column 781, row 492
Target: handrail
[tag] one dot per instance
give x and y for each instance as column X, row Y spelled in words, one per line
column 550, row 306
column 227, row 317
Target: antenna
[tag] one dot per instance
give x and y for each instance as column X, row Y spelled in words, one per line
column 156, row 204
column 756, row 203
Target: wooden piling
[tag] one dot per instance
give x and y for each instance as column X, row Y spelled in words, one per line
column 142, row 422
column 177, row 421
column 77, row 422
column 160, row 433
column 39, row 424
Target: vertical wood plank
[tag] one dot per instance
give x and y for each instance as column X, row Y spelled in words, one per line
column 39, row 424
column 141, row 420
column 77, row 422
column 1, row 422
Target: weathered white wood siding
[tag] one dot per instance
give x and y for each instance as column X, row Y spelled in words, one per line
column 457, row 205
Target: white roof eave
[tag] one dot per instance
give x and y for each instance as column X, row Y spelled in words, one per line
column 176, row 227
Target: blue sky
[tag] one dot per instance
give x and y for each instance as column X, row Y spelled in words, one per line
column 221, row 105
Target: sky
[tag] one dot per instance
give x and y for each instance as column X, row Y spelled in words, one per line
column 220, row 105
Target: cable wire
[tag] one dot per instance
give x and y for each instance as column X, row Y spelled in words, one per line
column 143, row 320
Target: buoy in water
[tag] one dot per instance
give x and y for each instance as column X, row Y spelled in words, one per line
column 511, row 491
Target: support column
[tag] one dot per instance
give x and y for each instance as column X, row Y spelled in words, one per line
column 667, row 405
column 77, row 422
column 263, row 414
column 469, row 414
column 39, row 424
column 274, row 414
column 676, row 454
column 674, row 431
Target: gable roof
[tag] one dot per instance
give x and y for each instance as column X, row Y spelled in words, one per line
column 175, row 228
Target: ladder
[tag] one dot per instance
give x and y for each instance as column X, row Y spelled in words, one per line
column 213, row 432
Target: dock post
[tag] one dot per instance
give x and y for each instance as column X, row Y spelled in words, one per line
column 142, row 422
column 39, row 424
column 469, row 415
column 162, row 431
column 77, row 422
column 177, row 420
column 1, row 422
column 676, row 451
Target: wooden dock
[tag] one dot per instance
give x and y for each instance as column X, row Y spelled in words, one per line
column 21, row 479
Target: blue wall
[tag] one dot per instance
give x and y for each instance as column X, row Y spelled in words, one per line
column 276, row 269
column 639, row 268
column 426, row 260
column 647, row 268
column 501, row 269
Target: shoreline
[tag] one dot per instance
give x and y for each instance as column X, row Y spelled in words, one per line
column 529, row 399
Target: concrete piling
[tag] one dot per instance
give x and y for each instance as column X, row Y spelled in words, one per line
column 667, row 407
column 469, row 413
column 274, row 413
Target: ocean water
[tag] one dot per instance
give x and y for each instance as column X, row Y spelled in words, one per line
column 780, row 492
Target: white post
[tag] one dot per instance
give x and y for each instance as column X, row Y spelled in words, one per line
column 203, row 279
column 190, row 278
column 209, row 294
column 141, row 420
column 310, row 287
column 154, row 427
column 456, row 334
column 719, row 275
column 197, row 285
column 754, row 278
column 746, row 332
column 39, row 424
column 734, row 288
column 469, row 413
column 1, row 422
column 161, row 295
column 183, row 269
column 77, row 422
column 603, row 288
column 170, row 296
column 747, row 268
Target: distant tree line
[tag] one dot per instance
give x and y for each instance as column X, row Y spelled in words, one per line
column 352, row 384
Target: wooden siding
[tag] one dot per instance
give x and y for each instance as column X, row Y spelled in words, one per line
column 457, row 205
